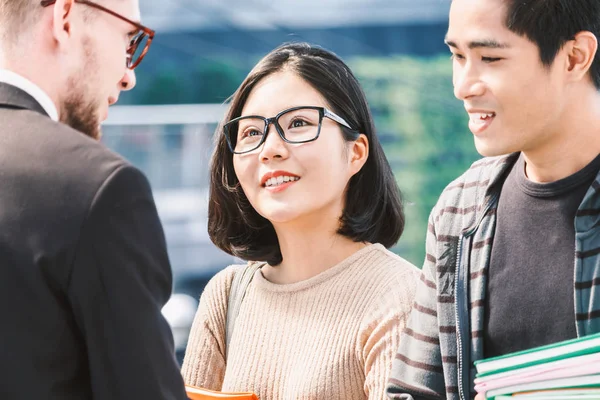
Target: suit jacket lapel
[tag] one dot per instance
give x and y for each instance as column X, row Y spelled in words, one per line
column 13, row 97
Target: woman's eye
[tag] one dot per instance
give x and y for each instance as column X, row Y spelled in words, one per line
column 298, row 123
column 250, row 133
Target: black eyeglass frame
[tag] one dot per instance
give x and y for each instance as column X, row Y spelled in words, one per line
column 134, row 43
column 323, row 113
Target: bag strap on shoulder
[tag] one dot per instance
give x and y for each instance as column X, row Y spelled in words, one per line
column 239, row 285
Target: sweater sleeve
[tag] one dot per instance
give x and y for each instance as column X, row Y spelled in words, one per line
column 382, row 327
column 204, row 363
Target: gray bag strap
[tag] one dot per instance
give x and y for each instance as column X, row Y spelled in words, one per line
column 239, row 285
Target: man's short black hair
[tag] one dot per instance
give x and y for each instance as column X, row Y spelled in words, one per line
column 551, row 23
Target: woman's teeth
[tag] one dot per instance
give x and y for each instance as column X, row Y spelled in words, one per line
column 280, row 180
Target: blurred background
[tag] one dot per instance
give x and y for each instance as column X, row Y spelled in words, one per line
column 201, row 53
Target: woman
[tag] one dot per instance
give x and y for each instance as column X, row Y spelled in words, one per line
column 300, row 183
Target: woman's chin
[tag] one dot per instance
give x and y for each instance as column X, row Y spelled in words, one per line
column 279, row 218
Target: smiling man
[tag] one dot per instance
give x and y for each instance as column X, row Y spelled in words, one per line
column 84, row 270
column 513, row 245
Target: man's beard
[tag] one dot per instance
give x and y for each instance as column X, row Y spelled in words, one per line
column 79, row 109
column 81, row 115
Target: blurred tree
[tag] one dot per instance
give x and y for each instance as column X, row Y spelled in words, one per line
column 206, row 82
column 424, row 130
column 214, row 82
column 169, row 85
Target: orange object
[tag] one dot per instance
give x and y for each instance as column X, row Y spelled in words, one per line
column 196, row 393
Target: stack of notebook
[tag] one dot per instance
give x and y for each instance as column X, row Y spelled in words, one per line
column 568, row 370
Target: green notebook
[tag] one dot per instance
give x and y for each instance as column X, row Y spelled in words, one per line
column 539, row 355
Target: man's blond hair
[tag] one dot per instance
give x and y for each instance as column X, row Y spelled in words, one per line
column 17, row 17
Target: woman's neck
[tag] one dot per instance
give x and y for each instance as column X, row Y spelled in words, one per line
column 308, row 251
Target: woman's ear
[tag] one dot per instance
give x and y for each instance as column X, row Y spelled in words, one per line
column 359, row 152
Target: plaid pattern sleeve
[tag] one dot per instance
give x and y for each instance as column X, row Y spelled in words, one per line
column 587, row 262
column 426, row 365
column 417, row 369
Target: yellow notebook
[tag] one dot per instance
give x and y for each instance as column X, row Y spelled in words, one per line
column 196, row 393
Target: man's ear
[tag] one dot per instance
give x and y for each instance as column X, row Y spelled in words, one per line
column 580, row 54
column 62, row 20
column 359, row 152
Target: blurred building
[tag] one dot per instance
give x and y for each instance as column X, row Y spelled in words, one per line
column 213, row 29
column 256, row 15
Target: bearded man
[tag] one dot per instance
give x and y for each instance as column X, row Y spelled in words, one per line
column 84, row 270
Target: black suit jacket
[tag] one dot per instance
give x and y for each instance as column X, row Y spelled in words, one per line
column 84, row 270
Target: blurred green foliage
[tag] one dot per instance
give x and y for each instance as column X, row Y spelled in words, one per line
column 423, row 128
column 204, row 82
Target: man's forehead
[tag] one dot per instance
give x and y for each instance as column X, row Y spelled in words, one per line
column 500, row 38
column 478, row 23
column 478, row 14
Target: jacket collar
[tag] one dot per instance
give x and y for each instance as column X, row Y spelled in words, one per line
column 13, row 97
column 500, row 169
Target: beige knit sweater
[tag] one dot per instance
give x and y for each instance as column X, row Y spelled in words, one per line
column 332, row 336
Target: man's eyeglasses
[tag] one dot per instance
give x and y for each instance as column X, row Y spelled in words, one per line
column 140, row 40
column 294, row 125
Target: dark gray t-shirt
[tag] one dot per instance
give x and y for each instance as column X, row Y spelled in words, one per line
column 530, row 291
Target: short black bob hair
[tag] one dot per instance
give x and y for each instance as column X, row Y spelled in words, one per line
column 373, row 210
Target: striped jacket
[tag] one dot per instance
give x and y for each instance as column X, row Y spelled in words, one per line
column 444, row 334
